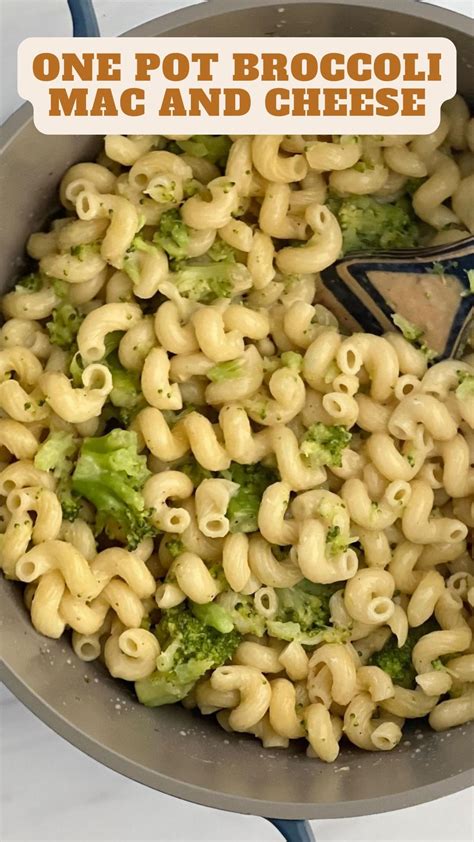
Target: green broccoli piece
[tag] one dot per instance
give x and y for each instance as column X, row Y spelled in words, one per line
column 410, row 331
column 57, row 455
column 368, row 224
column 112, row 341
column 243, row 507
column 84, row 250
column 322, row 445
column 215, row 148
column 241, row 608
column 110, row 474
column 465, row 389
column 470, row 277
column 30, row 283
column 61, row 288
column 206, row 282
column 126, row 393
column 304, row 615
column 412, row 185
column 172, row 234
column 192, row 186
column 194, row 471
column 139, row 244
column 64, row 325
column 335, row 541
column 413, row 334
column 292, row 360
column 293, row 632
column 221, row 251
column 76, row 367
column 172, row 417
column 70, row 504
column 175, row 547
column 396, row 660
column 306, row 604
column 214, row 615
column 189, row 648
column 225, row 371
column 131, row 265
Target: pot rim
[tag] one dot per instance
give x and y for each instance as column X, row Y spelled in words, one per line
column 79, row 738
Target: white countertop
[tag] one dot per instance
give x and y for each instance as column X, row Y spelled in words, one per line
column 79, row 799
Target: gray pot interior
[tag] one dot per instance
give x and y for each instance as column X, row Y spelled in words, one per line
column 171, row 749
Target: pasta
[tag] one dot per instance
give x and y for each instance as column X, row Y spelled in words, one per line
column 206, row 481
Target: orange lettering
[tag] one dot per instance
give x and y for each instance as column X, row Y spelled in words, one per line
column 144, row 63
column 46, row 67
column 245, row 67
column 64, row 103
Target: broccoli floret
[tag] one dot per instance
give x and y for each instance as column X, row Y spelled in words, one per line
column 335, row 541
column 306, row 604
column 396, row 660
column 214, row 615
column 412, row 184
column 413, row 334
column 303, row 615
column 190, row 647
column 172, row 234
column 56, row 455
column 70, row 504
column 410, row 331
column 215, row 148
column 292, row 360
column 205, row 282
column 126, row 391
column 225, row 371
column 465, row 389
column 84, row 250
column 64, row 325
column 191, row 186
column 110, row 474
column 221, row 251
column 139, row 244
column 172, row 417
column 112, row 341
column 367, row 224
column 322, row 445
column 194, row 471
column 175, row 547
column 243, row 507
column 30, row 283
column 131, row 265
column 470, row 277
column 293, row 632
column 241, row 608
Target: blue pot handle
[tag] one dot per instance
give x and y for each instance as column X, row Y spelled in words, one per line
column 84, row 21
column 294, row 830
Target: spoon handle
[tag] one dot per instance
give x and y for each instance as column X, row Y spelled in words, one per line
column 431, row 288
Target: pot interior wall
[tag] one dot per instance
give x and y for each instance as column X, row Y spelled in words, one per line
column 172, row 749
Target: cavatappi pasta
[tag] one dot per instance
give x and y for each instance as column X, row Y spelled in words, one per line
column 222, row 496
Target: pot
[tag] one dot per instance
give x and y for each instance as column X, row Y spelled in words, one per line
column 172, row 749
